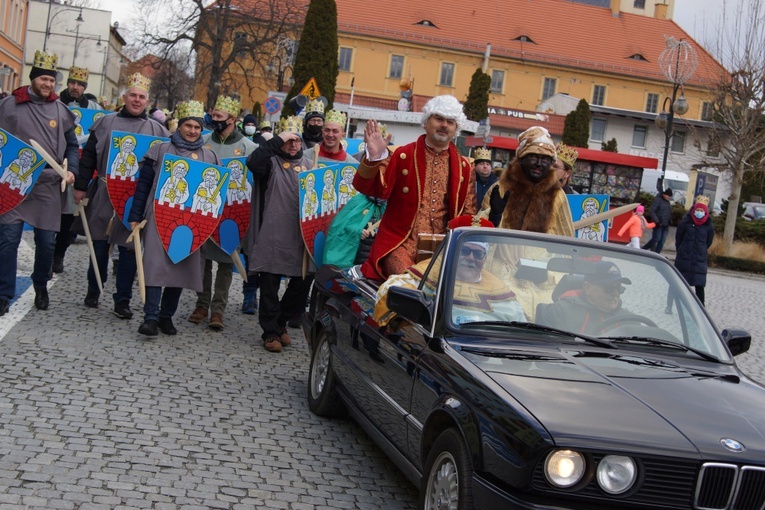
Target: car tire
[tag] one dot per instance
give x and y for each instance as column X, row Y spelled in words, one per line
column 448, row 474
column 323, row 399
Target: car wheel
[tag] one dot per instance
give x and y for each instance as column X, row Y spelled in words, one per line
column 449, row 473
column 323, row 399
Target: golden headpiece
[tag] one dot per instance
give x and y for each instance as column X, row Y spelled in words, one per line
column 264, row 124
column 80, row 74
column 535, row 140
column 188, row 109
column 46, row 61
column 314, row 108
column 482, row 154
column 702, row 199
column 566, row 154
column 290, row 124
column 139, row 81
column 228, row 104
column 336, row 117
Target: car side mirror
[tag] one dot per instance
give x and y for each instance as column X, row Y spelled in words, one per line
column 411, row 304
column 737, row 340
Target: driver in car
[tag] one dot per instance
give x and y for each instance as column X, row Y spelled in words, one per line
column 585, row 310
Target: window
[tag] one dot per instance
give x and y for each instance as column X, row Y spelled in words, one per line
column 713, row 148
column 639, row 4
column 706, row 111
column 598, row 131
column 652, row 103
column 497, row 81
column 447, row 74
column 678, row 142
column 638, row 136
column 344, row 60
column 599, row 95
column 396, row 66
column 549, row 88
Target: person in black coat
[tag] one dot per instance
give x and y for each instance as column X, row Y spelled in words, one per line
column 661, row 214
column 693, row 238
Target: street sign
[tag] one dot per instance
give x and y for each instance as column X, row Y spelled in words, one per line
column 488, row 139
column 311, row 89
column 5, row 71
column 272, row 105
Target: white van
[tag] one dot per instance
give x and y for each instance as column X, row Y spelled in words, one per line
column 676, row 181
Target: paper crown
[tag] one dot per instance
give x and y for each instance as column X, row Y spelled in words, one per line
column 336, row 117
column 467, row 220
column 228, row 105
column 80, row 74
column 290, row 124
column 314, row 107
column 265, row 125
column 482, row 154
column 139, row 81
column 188, row 109
column 46, row 61
column 383, row 130
column 566, row 154
column 702, row 199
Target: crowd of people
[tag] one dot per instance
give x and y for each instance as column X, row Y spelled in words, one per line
column 400, row 194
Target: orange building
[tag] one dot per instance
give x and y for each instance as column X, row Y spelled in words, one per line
column 13, row 27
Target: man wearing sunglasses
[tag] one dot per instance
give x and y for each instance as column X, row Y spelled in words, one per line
column 584, row 310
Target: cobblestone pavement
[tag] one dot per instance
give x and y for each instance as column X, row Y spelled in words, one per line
column 93, row 416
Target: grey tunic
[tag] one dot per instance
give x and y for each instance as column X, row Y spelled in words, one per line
column 45, row 123
column 159, row 270
column 99, row 210
column 237, row 147
column 276, row 241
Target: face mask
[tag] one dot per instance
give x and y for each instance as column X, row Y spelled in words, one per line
column 249, row 130
column 313, row 130
column 219, row 126
column 699, row 214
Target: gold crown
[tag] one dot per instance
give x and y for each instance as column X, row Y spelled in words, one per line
column 336, row 117
column 227, row 104
column 482, row 154
column 314, row 106
column 290, row 124
column 566, row 154
column 80, row 74
column 265, row 124
column 45, row 61
column 702, row 199
column 188, row 109
column 383, row 130
column 139, row 81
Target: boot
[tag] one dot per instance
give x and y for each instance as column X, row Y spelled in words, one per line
column 250, row 302
column 58, row 265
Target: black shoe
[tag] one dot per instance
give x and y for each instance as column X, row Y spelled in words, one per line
column 58, row 265
column 4, row 306
column 91, row 299
column 41, row 298
column 122, row 310
column 148, row 328
column 167, row 326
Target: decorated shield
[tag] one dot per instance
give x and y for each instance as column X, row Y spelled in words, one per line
column 188, row 204
column 320, row 201
column 84, row 119
column 20, row 166
column 235, row 219
column 126, row 150
column 584, row 206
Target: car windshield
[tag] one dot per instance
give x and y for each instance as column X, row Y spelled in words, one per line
column 759, row 211
column 504, row 279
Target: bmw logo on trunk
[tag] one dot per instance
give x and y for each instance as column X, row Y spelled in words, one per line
column 732, row 445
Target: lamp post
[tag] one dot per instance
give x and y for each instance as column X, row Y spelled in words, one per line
column 79, row 40
column 677, row 62
column 50, row 19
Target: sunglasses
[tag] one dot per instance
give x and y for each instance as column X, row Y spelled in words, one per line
column 612, row 289
column 478, row 254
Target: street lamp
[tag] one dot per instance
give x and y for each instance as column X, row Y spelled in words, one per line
column 79, row 40
column 49, row 22
column 677, row 62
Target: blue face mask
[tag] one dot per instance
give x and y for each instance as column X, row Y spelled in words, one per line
column 699, row 214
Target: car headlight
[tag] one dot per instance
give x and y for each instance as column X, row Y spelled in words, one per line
column 564, row 468
column 616, row 473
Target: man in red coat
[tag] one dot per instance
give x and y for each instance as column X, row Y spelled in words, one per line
column 427, row 183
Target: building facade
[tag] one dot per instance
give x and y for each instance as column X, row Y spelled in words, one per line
column 13, row 25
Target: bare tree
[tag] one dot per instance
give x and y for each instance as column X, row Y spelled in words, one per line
column 172, row 81
column 738, row 98
column 234, row 40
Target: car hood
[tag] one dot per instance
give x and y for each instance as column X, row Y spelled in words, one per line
column 634, row 403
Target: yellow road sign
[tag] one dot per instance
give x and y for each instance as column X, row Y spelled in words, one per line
column 311, row 89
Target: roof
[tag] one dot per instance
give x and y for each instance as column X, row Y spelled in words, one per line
column 563, row 33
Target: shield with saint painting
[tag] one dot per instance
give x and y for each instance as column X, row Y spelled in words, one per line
column 188, row 203
column 126, row 150
column 235, row 219
column 20, row 166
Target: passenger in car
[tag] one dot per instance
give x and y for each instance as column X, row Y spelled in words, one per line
column 585, row 310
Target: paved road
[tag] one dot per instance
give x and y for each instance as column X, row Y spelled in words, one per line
column 92, row 416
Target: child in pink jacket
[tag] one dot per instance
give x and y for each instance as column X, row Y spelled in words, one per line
column 635, row 226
